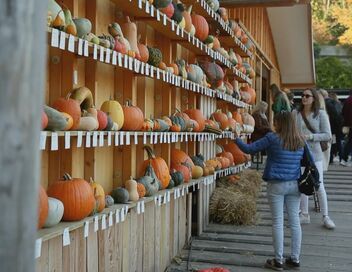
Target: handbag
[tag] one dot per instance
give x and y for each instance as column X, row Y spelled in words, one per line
column 323, row 144
column 309, row 181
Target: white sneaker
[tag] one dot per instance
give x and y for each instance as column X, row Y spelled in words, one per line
column 345, row 163
column 328, row 223
column 304, row 218
column 336, row 159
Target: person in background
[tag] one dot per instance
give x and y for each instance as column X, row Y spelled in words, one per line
column 319, row 121
column 284, row 148
column 262, row 125
column 347, row 116
column 291, row 97
column 280, row 100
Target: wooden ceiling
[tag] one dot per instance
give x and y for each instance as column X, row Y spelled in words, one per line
column 261, row 3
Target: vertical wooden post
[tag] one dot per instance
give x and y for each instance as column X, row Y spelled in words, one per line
column 22, row 73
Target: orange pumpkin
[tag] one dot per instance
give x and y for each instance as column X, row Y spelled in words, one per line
column 238, row 156
column 134, row 117
column 198, row 116
column 180, row 157
column 169, row 10
column 227, row 155
column 162, row 65
column 248, row 119
column 175, row 128
column 77, row 196
column 99, row 195
column 69, row 106
column 221, row 117
column 43, row 208
column 201, row 26
column 102, row 119
column 148, row 125
column 68, row 119
column 175, row 67
column 45, row 120
column 143, row 52
column 252, row 93
column 159, row 165
column 238, row 117
column 141, row 190
column 184, row 169
column 167, row 120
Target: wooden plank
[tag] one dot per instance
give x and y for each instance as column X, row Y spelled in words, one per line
column 200, row 213
column 149, row 237
column 133, row 250
column 55, row 254
column 92, row 250
column 140, row 242
column 42, row 263
column 157, row 235
column 164, row 236
column 103, row 254
column 80, row 251
column 68, row 253
column 189, row 217
column 126, row 258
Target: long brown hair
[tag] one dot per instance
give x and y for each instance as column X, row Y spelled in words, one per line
column 286, row 128
column 315, row 104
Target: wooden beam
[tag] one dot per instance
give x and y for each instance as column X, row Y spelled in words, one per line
column 261, row 3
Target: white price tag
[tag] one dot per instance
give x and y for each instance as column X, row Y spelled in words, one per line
column 130, row 63
column 142, row 206
column 71, row 43
column 119, row 59
column 140, row 4
column 181, row 136
column 95, row 51
column 144, row 138
column 155, row 200
column 86, row 229
column 198, row 185
column 54, row 37
column 164, row 19
column 96, row 223
column 147, row 69
column 125, row 61
column 183, row 191
column 80, row 47
column 66, row 237
column 86, row 49
column 142, row 68
column 159, row 200
column 152, row 71
column 117, row 216
column 103, row 222
column 67, row 139
column 101, row 138
column 43, row 140
column 38, row 247
column 135, row 138
column 122, row 134
column 110, row 219
column 114, row 58
column 187, row 190
column 165, row 198
column 137, row 65
column 95, row 139
column 108, row 55
column 186, row 137
column 165, row 137
column 128, row 138
column 147, row 7
column 152, row 10
column 138, row 207
column 168, row 196
column 116, row 138
column 156, row 138
column 101, row 53
column 54, row 141
column 158, row 15
column 122, row 215
column 79, row 138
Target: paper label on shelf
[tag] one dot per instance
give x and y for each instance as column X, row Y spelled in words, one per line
column 79, row 138
column 122, row 134
column 130, row 63
column 152, row 9
column 116, row 138
column 108, row 55
column 189, row 37
column 138, row 207
column 157, row 15
column 86, row 49
column 42, row 144
column 159, row 200
column 101, row 138
column 183, row 191
column 147, row 7
column 169, row 138
column 122, row 215
column 165, row 137
column 109, row 138
column 54, row 37
column 96, row 223
column 147, row 68
column 173, row 79
column 182, row 33
column 110, row 221
column 119, row 59
column 86, row 229
column 165, row 198
column 186, row 136
column 71, row 43
column 103, row 222
column 80, row 47
column 135, row 138
column 157, row 73
column 193, row 186
column 175, row 194
column 152, row 71
column 168, row 196
column 173, row 25
column 117, row 216
column 173, row 137
column 95, row 51
column 54, row 141
column 142, row 68
column 67, row 139
column 140, row 4
column 181, row 136
column 162, row 137
column 198, row 185
column 125, row 61
column 177, row 30
column 187, row 190
column 164, row 19
column 151, row 135
column 142, row 206
column 114, row 58
column 144, row 138
column 66, row 237
column 155, row 200
column 128, row 138
column 38, row 247
column 95, row 139
column 88, row 139
column 156, row 138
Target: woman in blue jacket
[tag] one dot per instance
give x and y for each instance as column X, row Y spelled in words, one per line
column 285, row 150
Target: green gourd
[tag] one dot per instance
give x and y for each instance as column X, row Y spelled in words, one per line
column 171, row 184
column 120, row 195
column 56, row 121
column 177, row 177
column 151, row 185
column 149, row 171
column 178, row 120
column 195, row 73
column 83, row 25
column 161, row 3
column 109, row 201
column 163, row 125
column 155, row 56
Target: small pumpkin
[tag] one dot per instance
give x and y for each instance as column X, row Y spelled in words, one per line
column 143, row 51
column 155, row 56
column 171, row 184
column 109, row 201
column 151, row 185
column 102, row 119
column 115, row 111
column 177, row 177
column 180, row 157
column 69, row 120
column 77, row 196
column 184, row 169
column 69, row 106
column 148, row 125
column 141, row 190
column 198, row 116
column 55, row 212
column 131, row 187
column 120, row 195
column 197, row 172
column 99, row 196
column 44, row 120
column 43, row 207
column 201, row 25
column 56, row 121
column 89, row 120
column 133, row 117
column 238, row 155
column 169, row 10
column 129, row 30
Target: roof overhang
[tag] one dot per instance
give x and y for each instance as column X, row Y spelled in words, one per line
column 291, row 28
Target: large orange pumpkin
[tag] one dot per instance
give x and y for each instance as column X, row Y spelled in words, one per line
column 69, row 106
column 77, row 196
column 43, row 208
column 180, row 157
column 226, row 155
column 198, row 116
column 184, row 169
column 159, row 165
column 221, row 117
column 201, row 26
column 134, row 117
column 238, row 156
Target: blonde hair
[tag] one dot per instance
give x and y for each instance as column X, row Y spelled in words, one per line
column 262, row 106
column 275, row 91
column 321, row 100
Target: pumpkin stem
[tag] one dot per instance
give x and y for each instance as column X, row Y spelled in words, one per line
column 189, row 10
column 91, row 180
column 67, row 97
column 150, row 152
column 128, row 103
column 128, row 20
column 67, row 176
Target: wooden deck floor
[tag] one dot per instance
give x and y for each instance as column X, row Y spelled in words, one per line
column 245, row 249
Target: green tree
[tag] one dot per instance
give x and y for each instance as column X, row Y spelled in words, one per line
column 331, row 72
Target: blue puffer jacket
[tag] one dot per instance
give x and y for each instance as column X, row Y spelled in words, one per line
column 281, row 164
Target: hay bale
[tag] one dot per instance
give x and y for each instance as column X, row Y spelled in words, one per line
column 227, row 207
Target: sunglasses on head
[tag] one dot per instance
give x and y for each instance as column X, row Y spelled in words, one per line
column 306, row 95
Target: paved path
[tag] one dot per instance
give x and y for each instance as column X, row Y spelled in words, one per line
column 245, row 249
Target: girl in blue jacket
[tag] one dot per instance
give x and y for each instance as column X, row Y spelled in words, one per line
column 284, row 150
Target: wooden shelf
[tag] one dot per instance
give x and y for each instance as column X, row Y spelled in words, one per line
column 159, row 199
column 227, row 36
column 122, row 138
column 62, row 40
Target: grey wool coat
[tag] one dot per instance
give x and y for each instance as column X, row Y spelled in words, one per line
column 321, row 125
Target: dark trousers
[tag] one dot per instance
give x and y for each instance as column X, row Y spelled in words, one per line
column 336, row 148
column 348, row 146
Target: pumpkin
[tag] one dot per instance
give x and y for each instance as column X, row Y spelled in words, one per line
column 197, row 172
column 180, row 157
column 129, row 30
column 110, row 124
column 177, row 15
column 161, row 125
column 206, row 171
column 175, row 128
column 184, row 169
column 252, row 93
column 102, row 119
column 225, row 162
column 195, row 73
column 198, row 160
column 238, row 155
column 55, row 212
column 175, row 67
column 232, row 124
column 201, row 26
column 99, row 196
column 89, row 121
column 69, row 106
column 83, row 96
column 246, row 97
column 238, row 117
column 171, row 184
column 77, row 196
column 196, row 115
column 56, row 121
column 178, row 121
column 143, row 51
column 221, row 117
column 134, row 117
column 141, row 190
column 151, row 185
column 188, row 19
column 248, row 119
column 109, row 201
column 43, row 207
column 155, row 56
column 223, row 14
column 115, row 111
column 161, row 3
column 167, row 120
column 148, row 125
column 131, row 187
column 169, row 10
column 214, row 73
column 159, row 165
column 177, row 177
column 44, row 120
column 120, row 195
column 120, row 46
column 68, row 119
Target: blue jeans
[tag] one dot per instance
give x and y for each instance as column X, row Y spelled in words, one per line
column 285, row 194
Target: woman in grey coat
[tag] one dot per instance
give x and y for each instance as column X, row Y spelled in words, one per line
column 319, row 122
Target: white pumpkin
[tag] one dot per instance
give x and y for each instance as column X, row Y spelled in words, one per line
column 55, row 213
